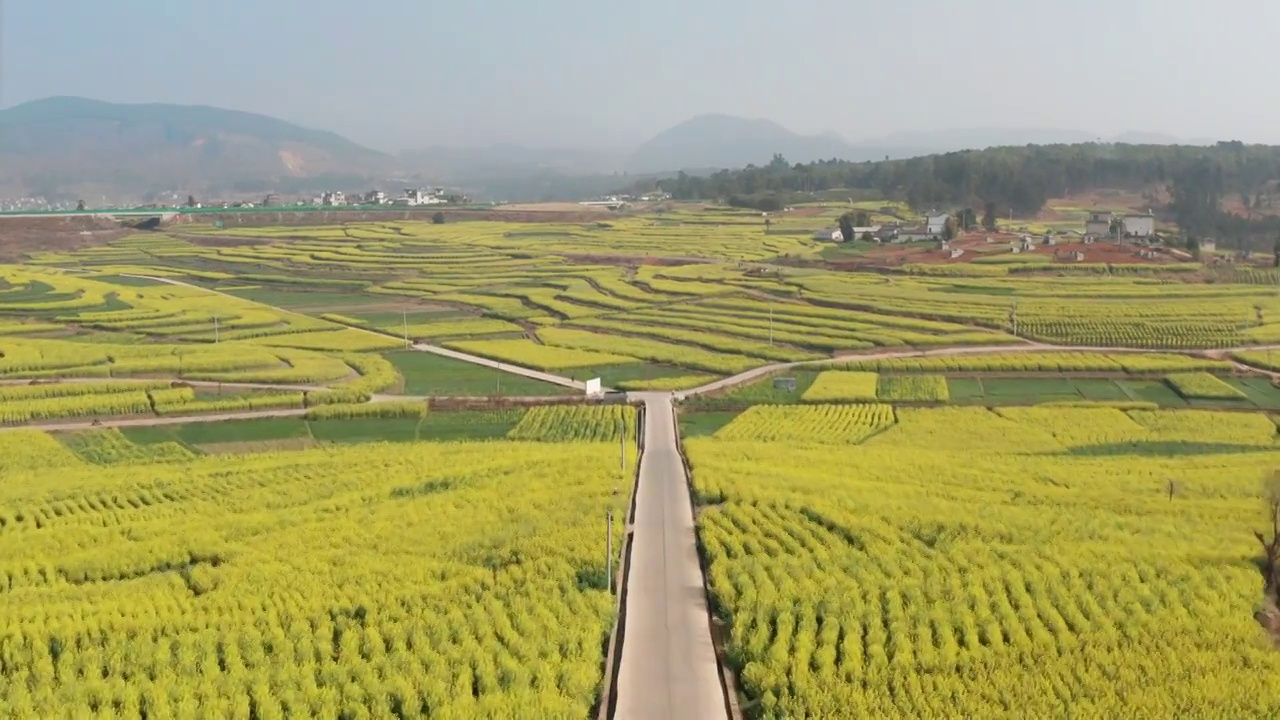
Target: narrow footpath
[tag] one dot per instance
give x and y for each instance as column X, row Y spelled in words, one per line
column 668, row 669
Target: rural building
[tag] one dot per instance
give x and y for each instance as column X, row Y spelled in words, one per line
column 887, row 233
column 832, row 234
column 1208, row 246
column 1099, row 223
column 336, row 197
column 1139, row 225
column 956, row 252
column 375, row 197
column 1078, row 256
column 1050, row 240
column 1027, row 244
column 863, row 231
column 914, row 234
column 418, row 196
column 271, row 200
column 936, row 224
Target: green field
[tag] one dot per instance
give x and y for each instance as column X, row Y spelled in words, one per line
column 428, row 374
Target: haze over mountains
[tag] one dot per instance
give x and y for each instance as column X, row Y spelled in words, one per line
column 61, row 147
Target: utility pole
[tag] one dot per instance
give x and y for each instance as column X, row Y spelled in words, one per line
column 608, row 551
column 215, row 329
column 406, row 328
column 770, row 324
column 1013, row 317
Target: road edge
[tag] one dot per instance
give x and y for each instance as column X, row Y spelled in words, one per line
column 607, row 702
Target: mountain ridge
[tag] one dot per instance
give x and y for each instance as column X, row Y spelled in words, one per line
column 61, row 145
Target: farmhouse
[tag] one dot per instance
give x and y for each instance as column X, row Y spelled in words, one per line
column 936, row 224
column 1099, row 223
column 832, row 234
column 1208, row 246
column 914, row 234
column 1139, row 225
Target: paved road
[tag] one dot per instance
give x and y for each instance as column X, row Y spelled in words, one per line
column 668, row 669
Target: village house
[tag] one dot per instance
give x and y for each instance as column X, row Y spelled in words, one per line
column 936, row 224
column 831, row 234
column 1099, row 223
column 1139, row 226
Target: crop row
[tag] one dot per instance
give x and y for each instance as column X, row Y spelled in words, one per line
column 909, row 577
column 809, row 424
column 576, row 423
column 477, row 590
column 1045, row 362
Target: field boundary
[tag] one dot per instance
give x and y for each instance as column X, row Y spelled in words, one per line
column 608, row 701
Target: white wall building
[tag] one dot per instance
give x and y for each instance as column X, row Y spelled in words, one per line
column 1139, row 225
column 936, row 224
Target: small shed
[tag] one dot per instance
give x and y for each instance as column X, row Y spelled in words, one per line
column 784, row 383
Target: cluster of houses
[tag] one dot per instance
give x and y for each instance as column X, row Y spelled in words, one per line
column 1139, row 226
column 412, row 197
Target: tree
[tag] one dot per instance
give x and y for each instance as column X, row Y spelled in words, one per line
column 968, row 219
column 438, row 218
column 949, row 229
column 1275, row 251
column 846, row 226
column 191, row 201
column 989, row 216
column 80, row 206
column 1193, row 247
column 862, row 218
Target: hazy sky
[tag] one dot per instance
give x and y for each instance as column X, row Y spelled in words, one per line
column 560, row 73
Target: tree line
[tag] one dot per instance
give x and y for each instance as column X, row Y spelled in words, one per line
column 1022, row 179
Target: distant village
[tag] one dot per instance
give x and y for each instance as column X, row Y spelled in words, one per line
column 1100, row 225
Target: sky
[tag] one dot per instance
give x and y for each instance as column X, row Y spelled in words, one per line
column 577, row 74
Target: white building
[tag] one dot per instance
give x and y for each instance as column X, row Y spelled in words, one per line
column 834, row 235
column 1139, row 225
column 1099, row 223
column 418, row 196
column 336, row 197
column 936, row 224
column 375, row 197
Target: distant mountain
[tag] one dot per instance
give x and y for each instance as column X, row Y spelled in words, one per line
column 62, row 146
column 725, row 141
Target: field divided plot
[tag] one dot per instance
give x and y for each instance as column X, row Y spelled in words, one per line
column 1203, row 386
column 809, row 424
column 576, row 423
column 836, row 386
column 913, row 388
column 968, row 563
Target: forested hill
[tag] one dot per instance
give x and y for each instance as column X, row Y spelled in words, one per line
column 1022, row 179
